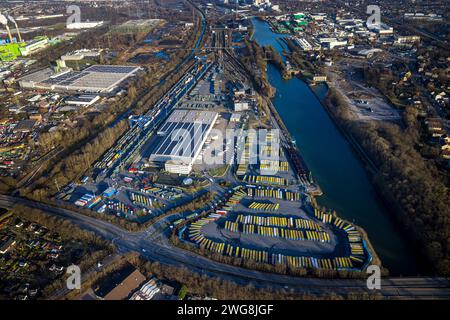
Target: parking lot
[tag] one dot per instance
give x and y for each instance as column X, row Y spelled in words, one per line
column 297, row 235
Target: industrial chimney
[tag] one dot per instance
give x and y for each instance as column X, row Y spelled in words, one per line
column 15, row 24
column 4, row 22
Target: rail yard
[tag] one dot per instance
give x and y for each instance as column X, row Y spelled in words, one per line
column 207, row 150
column 262, row 209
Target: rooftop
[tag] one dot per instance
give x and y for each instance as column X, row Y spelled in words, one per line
column 183, row 133
column 97, row 78
column 126, row 287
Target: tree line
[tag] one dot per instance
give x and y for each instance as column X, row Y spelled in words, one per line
column 218, row 288
column 253, row 57
column 412, row 186
column 73, row 165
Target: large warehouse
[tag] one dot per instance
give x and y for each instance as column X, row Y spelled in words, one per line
column 183, row 135
column 97, row 78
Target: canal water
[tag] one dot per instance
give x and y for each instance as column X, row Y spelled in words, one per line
column 334, row 165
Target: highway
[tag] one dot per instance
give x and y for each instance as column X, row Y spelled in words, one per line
column 154, row 245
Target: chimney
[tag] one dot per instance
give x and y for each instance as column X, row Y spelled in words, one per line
column 17, row 27
column 18, row 32
column 9, row 33
column 4, row 22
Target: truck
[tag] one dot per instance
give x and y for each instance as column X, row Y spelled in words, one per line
column 101, row 209
column 80, row 203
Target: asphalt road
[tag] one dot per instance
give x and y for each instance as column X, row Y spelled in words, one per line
column 152, row 244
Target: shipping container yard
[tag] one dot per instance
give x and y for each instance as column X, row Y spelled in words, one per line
column 267, row 215
column 192, row 150
column 303, row 237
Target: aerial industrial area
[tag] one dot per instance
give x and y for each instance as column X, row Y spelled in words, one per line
column 224, row 149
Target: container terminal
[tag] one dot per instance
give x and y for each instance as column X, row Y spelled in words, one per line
column 261, row 210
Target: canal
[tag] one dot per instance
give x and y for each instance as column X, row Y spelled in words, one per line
column 334, row 165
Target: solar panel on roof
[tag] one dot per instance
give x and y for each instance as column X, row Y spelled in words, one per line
column 185, row 132
column 94, row 78
column 110, row 69
column 180, row 141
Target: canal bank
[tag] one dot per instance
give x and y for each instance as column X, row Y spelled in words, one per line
column 340, row 174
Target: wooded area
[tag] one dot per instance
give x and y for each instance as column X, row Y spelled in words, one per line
column 76, row 163
column 411, row 186
column 254, row 59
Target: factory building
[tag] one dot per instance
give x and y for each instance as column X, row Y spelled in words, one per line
column 94, row 79
column 407, row 39
column 183, row 136
column 11, row 50
column 81, row 54
column 34, row 46
column 381, row 28
column 84, row 25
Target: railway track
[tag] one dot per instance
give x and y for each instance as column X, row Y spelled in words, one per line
column 135, row 138
column 299, row 164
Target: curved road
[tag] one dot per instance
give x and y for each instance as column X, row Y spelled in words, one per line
column 152, row 244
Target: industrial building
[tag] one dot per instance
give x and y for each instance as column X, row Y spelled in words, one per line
column 240, row 106
column 381, row 28
column 183, row 135
column 331, row 43
column 84, row 100
column 147, row 291
column 407, row 39
column 37, row 44
column 84, row 25
column 24, row 126
column 235, row 117
column 11, row 50
column 97, row 78
column 304, row 44
column 81, row 54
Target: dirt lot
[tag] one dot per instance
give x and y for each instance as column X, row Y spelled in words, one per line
column 367, row 104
